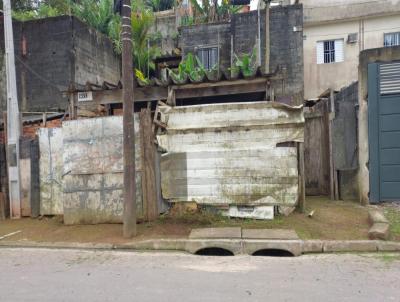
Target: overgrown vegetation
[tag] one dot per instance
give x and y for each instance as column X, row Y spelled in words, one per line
column 160, row 5
column 213, row 11
column 100, row 15
column 393, row 215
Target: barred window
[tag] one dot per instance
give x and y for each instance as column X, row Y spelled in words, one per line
column 330, row 51
column 208, row 57
column 391, row 39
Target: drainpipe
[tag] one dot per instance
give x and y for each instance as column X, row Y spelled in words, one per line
column 267, row 41
column 259, row 37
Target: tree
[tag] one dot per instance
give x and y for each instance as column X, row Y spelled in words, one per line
column 213, row 11
column 160, row 5
column 20, row 4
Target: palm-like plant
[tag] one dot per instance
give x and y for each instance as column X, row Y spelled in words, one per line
column 97, row 14
column 143, row 52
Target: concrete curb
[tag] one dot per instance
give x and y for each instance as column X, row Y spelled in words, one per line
column 236, row 246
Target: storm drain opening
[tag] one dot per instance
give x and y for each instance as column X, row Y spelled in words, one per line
column 214, row 251
column 273, row 253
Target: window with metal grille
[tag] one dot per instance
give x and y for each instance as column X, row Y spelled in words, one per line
column 391, row 39
column 208, row 57
column 330, row 51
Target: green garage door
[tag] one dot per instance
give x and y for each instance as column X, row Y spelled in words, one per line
column 384, row 131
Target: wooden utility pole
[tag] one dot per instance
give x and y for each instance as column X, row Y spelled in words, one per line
column 129, row 217
column 13, row 117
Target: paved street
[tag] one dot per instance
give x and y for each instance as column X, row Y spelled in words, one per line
column 71, row 275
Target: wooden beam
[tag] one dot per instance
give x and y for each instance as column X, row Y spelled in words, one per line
column 155, row 93
column 302, row 181
column 149, row 191
column 142, row 94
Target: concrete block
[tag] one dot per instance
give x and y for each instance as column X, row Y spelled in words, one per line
column 379, row 231
column 221, row 233
column 388, row 246
column 292, row 246
column 269, row 234
column 350, row 246
column 376, row 216
column 313, row 246
column 232, row 245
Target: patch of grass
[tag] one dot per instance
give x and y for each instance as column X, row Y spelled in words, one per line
column 333, row 220
column 393, row 215
column 387, row 258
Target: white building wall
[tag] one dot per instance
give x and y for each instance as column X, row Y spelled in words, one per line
column 319, row 77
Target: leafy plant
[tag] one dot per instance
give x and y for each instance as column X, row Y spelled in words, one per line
column 194, row 68
column 179, row 75
column 141, row 78
column 190, row 67
column 247, row 63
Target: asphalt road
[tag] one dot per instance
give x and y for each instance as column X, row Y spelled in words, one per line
column 71, row 275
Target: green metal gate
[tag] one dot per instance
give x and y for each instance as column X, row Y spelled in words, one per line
column 384, row 131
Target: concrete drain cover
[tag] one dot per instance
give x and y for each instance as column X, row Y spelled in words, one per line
column 239, row 233
column 216, row 233
column 271, row 234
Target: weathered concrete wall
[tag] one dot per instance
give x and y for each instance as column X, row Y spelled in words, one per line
column 227, row 154
column 286, row 50
column 50, row 170
column 53, row 54
column 165, row 26
column 315, row 11
column 93, row 170
column 208, row 35
column 285, row 47
column 94, row 57
column 388, row 54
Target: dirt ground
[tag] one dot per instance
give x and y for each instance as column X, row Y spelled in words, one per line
column 332, row 220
